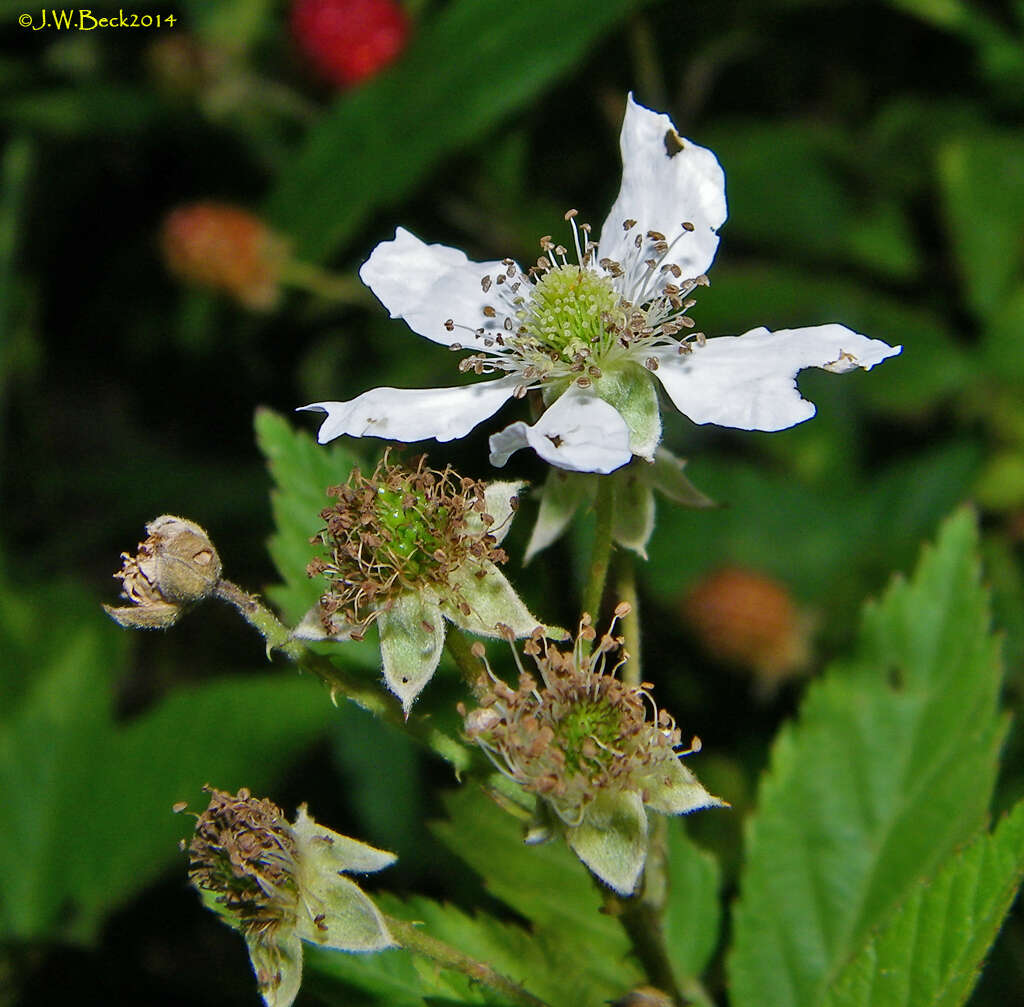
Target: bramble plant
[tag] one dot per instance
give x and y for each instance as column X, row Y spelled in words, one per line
column 869, row 874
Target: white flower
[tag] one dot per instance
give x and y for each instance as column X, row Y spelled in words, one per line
column 593, row 335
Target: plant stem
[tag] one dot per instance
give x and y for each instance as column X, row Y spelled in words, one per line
column 461, row 651
column 642, row 923
column 413, row 939
column 339, row 681
column 625, row 590
column 598, row 574
column 314, row 280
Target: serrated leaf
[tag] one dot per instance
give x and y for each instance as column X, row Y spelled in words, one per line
column 929, row 953
column 888, row 769
column 434, row 101
column 546, row 885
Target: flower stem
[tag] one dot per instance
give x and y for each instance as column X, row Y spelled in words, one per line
column 625, row 590
column 314, row 280
column 593, row 592
column 461, row 651
column 413, row 939
column 339, row 681
column 642, row 922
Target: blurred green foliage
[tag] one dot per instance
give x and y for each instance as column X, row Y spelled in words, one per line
column 873, row 159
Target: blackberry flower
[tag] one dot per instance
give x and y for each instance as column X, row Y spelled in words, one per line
column 409, row 549
column 596, row 752
column 594, row 337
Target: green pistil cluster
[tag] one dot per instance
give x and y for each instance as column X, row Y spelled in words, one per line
column 569, row 312
column 416, row 529
column 395, row 531
column 588, row 734
column 582, row 734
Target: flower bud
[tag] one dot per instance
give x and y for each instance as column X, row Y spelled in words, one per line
column 226, row 249
column 175, row 567
column 349, row 41
column 749, row 620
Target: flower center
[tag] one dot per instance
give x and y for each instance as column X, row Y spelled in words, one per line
column 588, row 733
column 414, row 528
column 569, row 311
column 394, row 531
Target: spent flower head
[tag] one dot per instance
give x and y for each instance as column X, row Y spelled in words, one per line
column 595, row 327
column 408, row 548
column 594, row 750
column 174, row 567
column 282, row 883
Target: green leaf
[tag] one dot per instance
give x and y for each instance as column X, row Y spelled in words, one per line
column 548, row 886
column 983, row 191
column 888, row 769
column 71, row 777
column 820, row 215
column 400, row 977
column 929, row 953
column 437, row 100
column 693, row 913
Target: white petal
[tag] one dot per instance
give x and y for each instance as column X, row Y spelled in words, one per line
column 666, row 181
column 749, row 381
column 428, row 284
column 579, row 432
column 414, row 414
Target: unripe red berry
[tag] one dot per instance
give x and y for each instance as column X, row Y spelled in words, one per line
column 749, row 620
column 225, row 248
column 350, row 40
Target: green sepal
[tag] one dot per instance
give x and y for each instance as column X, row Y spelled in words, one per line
column 277, row 962
column 501, row 500
column 630, row 389
column 634, row 508
column 411, row 638
column 326, row 851
column 666, row 476
column 342, row 916
column 561, row 496
column 673, row 789
column 612, row 839
column 491, row 600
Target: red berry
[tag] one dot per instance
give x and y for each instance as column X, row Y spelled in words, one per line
column 350, row 40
